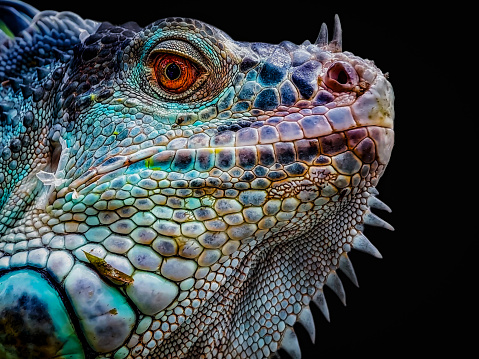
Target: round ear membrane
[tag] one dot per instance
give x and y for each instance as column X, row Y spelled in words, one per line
column 341, row 76
column 174, row 73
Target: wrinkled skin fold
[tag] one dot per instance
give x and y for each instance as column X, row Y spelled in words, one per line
column 169, row 192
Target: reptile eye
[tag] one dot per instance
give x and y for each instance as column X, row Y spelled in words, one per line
column 341, row 76
column 174, row 73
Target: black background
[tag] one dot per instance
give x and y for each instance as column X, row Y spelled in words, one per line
column 413, row 302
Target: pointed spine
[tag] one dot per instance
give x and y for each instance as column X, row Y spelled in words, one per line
column 26, row 90
column 37, row 93
column 334, row 282
column 15, row 83
column 361, row 243
column 337, row 42
column 42, row 72
column 307, row 321
column 374, row 202
column 347, row 268
column 290, row 343
column 320, row 300
column 373, row 220
column 27, row 80
column 63, row 56
column 322, row 39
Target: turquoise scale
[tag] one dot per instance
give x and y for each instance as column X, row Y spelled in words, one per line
column 34, row 323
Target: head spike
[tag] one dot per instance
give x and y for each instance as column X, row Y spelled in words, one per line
column 322, row 39
column 336, row 43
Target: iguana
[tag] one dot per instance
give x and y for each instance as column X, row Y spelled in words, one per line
column 169, row 192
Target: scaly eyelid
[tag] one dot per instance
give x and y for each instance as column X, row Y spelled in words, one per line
column 183, row 49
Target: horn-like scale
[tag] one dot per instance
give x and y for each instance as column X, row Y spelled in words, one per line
column 336, row 43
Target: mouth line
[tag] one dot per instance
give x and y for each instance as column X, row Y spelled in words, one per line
column 293, row 156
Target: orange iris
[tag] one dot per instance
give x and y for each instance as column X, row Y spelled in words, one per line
column 175, row 73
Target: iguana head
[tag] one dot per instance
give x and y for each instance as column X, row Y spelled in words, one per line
column 186, row 194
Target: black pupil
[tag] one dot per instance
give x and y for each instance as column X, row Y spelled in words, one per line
column 172, row 71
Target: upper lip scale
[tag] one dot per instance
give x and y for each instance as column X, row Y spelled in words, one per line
column 114, row 163
column 283, row 132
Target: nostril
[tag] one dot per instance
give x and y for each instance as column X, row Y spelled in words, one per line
column 341, row 76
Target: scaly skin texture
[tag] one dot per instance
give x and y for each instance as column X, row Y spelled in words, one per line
column 138, row 220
